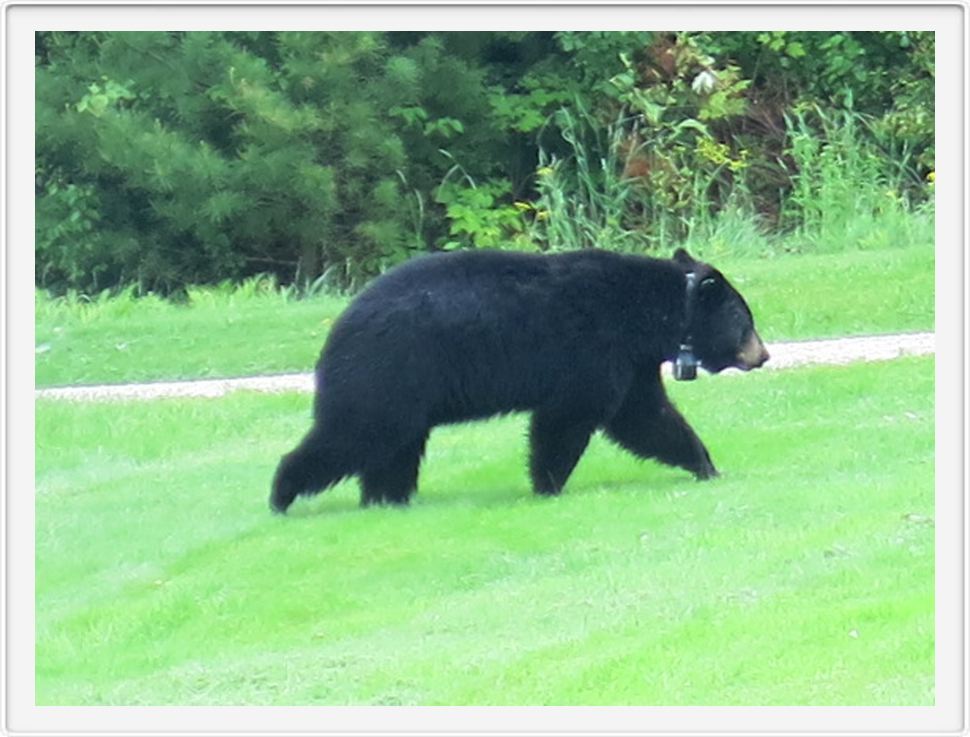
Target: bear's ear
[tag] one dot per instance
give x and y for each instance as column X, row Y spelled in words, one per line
column 682, row 257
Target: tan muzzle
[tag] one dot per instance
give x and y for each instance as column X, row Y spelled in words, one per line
column 753, row 353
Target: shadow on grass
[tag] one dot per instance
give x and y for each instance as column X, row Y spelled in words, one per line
column 343, row 499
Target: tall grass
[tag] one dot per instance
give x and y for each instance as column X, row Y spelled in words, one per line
column 734, row 230
column 127, row 301
column 847, row 190
column 106, row 304
column 590, row 197
column 584, row 197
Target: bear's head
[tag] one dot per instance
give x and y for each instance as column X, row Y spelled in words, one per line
column 720, row 328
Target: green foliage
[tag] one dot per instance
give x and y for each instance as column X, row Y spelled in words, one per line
column 173, row 158
column 686, row 164
column 71, row 212
column 215, row 161
column 526, row 112
column 99, row 98
column 478, row 218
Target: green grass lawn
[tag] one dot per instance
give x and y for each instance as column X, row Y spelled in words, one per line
column 243, row 332
column 803, row 576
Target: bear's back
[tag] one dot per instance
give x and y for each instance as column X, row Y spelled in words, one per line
column 462, row 270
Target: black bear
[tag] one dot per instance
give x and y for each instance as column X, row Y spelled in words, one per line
column 575, row 338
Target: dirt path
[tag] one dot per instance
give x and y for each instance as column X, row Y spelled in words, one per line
column 783, row 355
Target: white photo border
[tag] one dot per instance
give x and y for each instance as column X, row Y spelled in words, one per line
column 20, row 20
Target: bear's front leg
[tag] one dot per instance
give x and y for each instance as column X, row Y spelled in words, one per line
column 649, row 426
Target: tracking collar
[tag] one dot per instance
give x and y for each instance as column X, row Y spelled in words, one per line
column 685, row 365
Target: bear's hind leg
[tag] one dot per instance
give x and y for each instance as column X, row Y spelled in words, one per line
column 308, row 469
column 649, row 426
column 394, row 480
column 556, row 445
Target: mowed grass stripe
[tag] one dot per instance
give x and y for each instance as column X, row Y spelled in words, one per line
column 803, row 576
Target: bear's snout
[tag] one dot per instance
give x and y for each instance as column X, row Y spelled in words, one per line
column 753, row 353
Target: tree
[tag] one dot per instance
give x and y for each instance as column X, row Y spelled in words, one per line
column 165, row 159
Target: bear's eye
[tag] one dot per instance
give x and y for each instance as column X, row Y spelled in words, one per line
column 708, row 289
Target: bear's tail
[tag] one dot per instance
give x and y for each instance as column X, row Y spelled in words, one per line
column 308, row 469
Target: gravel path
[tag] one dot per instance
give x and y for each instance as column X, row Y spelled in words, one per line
column 783, row 355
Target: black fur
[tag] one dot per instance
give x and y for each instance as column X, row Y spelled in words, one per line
column 576, row 338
